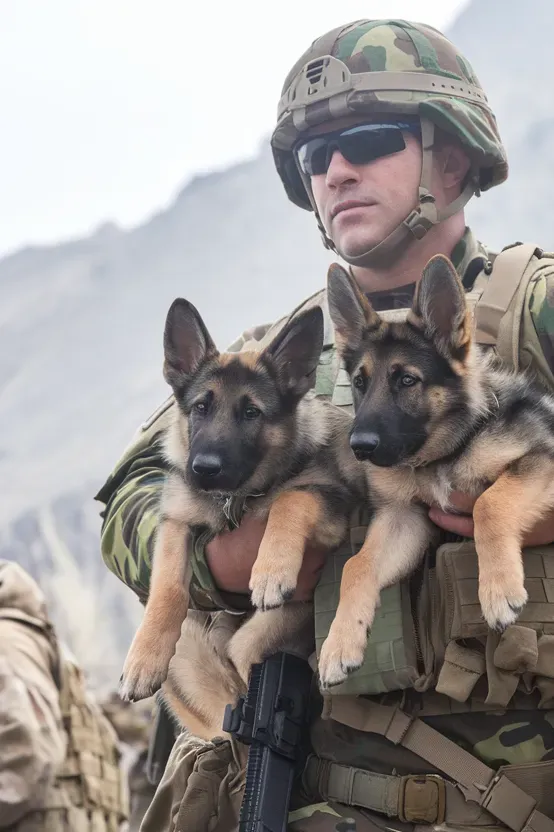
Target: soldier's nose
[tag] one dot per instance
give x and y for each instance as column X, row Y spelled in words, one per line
column 207, row 465
column 364, row 444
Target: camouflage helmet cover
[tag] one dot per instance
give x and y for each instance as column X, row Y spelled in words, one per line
column 386, row 66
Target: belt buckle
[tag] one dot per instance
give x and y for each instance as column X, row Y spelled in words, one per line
column 422, row 799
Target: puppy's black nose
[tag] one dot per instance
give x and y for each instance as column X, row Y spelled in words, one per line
column 207, row 465
column 364, row 444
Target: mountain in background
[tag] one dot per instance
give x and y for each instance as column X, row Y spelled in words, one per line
column 81, row 323
column 503, row 42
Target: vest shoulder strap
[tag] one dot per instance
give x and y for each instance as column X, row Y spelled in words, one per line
column 505, row 281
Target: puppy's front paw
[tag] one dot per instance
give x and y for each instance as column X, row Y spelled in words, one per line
column 272, row 586
column 502, row 600
column 146, row 665
column 343, row 650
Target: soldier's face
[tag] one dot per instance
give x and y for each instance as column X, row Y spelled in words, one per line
column 361, row 204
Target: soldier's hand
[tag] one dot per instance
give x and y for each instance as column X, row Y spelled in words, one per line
column 231, row 555
column 541, row 534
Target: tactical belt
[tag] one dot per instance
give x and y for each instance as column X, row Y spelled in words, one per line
column 412, row 799
column 423, row 798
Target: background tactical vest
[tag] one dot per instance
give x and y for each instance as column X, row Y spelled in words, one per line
column 89, row 793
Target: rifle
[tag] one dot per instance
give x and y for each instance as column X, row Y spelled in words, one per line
column 271, row 719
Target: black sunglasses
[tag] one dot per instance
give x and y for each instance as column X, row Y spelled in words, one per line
column 359, row 145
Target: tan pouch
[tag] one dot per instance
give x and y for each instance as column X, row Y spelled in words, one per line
column 464, row 647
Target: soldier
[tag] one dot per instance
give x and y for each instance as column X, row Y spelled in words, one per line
column 385, row 133
column 59, row 765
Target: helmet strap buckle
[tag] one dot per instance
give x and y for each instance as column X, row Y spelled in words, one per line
column 424, row 216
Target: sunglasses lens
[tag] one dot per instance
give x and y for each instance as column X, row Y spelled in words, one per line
column 312, row 157
column 359, row 146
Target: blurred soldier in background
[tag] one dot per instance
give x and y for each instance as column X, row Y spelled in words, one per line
column 59, row 760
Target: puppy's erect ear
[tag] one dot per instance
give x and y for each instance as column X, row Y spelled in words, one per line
column 351, row 312
column 295, row 351
column 187, row 342
column 440, row 309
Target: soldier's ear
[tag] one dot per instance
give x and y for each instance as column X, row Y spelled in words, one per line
column 187, row 342
column 295, row 351
column 440, row 310
column 351, row 312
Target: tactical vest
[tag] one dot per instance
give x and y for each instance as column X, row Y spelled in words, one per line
column 89, row 793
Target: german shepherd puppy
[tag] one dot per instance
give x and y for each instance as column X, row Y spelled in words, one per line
column 244, row 432
column 434, row 414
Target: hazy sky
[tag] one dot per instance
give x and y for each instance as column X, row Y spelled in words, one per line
column 109, row 106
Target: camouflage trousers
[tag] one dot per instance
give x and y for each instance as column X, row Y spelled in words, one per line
column 202, row 789
column 335, row 817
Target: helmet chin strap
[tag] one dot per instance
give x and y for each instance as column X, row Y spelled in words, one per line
column 416, row 225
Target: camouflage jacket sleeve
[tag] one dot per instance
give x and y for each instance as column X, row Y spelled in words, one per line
column 131, row 496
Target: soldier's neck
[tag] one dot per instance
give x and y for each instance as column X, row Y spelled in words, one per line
column 408, row 269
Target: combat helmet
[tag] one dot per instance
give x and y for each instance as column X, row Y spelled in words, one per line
column 400, row 68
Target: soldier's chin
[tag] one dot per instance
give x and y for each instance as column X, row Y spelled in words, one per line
column 354, row 243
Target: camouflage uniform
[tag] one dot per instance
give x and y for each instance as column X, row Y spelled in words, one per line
column 59, row 764
column 519, row 734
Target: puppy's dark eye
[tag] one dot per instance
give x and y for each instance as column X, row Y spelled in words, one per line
column 408, row 380
column 201, row 408
column 251, row 412
column 359, row 381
